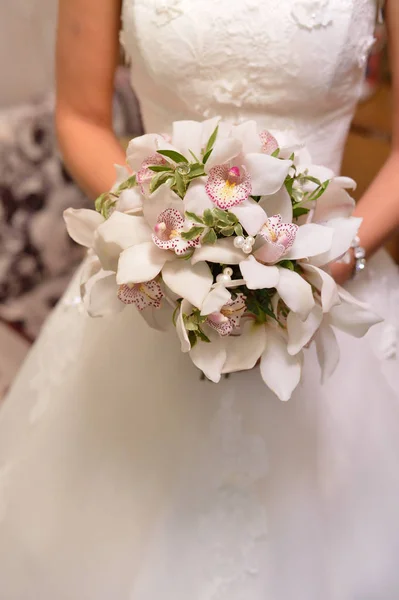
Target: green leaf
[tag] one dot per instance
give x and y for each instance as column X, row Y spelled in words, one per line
column 206, row 156
column 173, row 155
column 298, row 211
column 292, row 157
column 191, row 326
column 319, row 192
column 158, row 180
column 212, row 140
column 210, row 237
column 160, row 168
column 193, row 217
column 193, row 233
column 238, row 229
column 196, row 170
column 202, row 336
column 180, row 185
column 129, row 183
column 192, row 338
column 312, row 179
column 208, row 218
column 276, row 153
column 100, row 201
column 227, row 231
column 287, row 264
column 194, row 157
column 221, row 215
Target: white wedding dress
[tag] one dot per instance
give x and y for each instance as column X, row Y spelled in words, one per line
column 123, row 476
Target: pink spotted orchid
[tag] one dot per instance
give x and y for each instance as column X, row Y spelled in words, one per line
column 143, row 295
column 269, row 142
column 228, row 318
column 228, row 186
column 277, row 238
column 145, row 174
column 167, row 233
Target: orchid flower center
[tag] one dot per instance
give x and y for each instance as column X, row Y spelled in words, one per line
column 233, row 176
column 164, row 233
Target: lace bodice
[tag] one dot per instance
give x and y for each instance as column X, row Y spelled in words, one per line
column 289, row 64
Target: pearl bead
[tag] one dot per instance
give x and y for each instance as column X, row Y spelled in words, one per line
column 250, row 240
column 239, row 241
column 247, row 248
column 228, row 272
column 222, row 278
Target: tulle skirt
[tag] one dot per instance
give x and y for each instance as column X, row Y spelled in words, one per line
column 124, row 475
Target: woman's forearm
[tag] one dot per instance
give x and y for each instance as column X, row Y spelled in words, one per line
column 379, row 207
column 90, row 151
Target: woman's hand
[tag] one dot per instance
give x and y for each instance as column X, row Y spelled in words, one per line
column 342, row 272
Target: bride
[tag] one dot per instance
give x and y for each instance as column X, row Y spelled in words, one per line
column 123, row 475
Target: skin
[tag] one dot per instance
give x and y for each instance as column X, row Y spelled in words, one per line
column 87, row 56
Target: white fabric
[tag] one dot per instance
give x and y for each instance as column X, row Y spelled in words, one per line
column 122, row 474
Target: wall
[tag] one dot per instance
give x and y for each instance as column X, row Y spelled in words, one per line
column 27, row 33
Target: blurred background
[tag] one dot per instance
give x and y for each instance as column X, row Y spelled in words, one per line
column 37, row 258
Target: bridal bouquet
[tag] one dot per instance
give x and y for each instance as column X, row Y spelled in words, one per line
column 227, row 233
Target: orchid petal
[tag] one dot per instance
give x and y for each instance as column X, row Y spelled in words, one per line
column 280, row 371
column 90, row 267
column 216, row 298
column 344, row 231
column 251, row 216
column 222, row 251
column 140, row 148
column 186, row 136
column 352, row 316
column 267, row 173
column 122, row 173
column 209, row 126
column 160, row 319
column 192, row 282
column 210, row 358
column 185, row 309
column 103, row 295
column 81, row 224
column 196, row 199
column 130, row 201
column 301, row 332
column 258, row 276
column 310, row 240
column 345, row 182
column 319, row 172
column 327, row 350
column 233, row 283
column 116, row 234
column 141, row 263
column 224, row 150
column 247, row 134
column 160, row 201
column 333, row 203
column 278, row 204
column 296, row 292
column 244, row 350
column 323, row 282
column 269, row 253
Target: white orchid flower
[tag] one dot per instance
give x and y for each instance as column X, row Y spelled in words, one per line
column 231, row 353
column 157, row 253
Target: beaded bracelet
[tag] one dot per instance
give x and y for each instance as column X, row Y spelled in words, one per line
column 360, row 257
